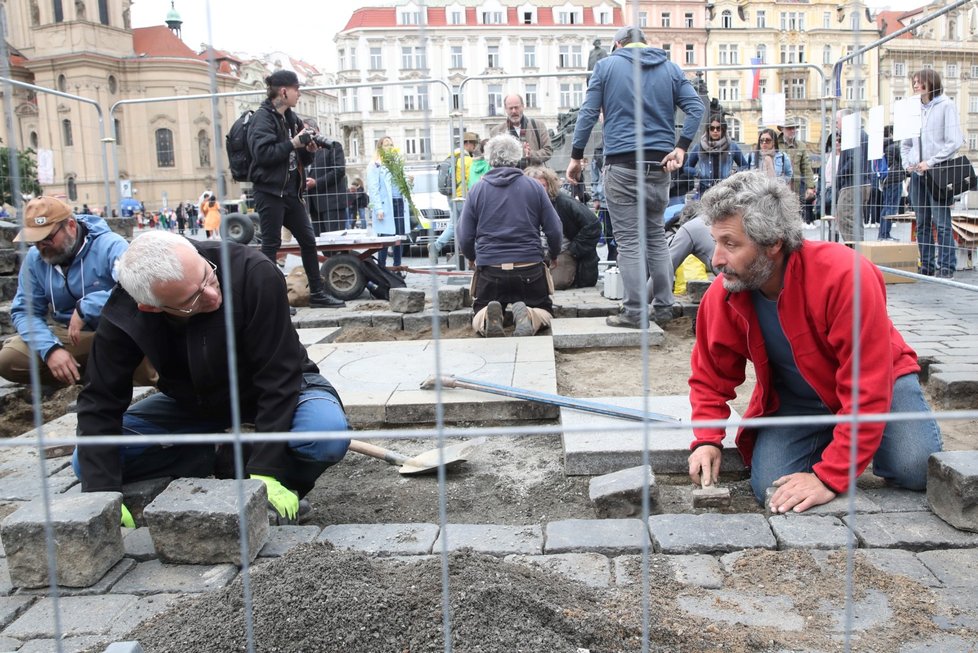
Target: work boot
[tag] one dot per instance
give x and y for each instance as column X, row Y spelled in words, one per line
column 622, row 320
column 323, row 299
column 494, row 320
column 521, row 316
column 664, row 314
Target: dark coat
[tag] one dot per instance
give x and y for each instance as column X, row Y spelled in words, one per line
column 270, row 142
column 328, row 200
column 583, row 229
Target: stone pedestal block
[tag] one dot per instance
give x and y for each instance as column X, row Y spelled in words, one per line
column 407, row 300
column 140, row 494
column 87, row 540
column 619, row 494
column 451, row 298
column 696, row 289
column 196, row 521
column 952, row 488
column 460, row 319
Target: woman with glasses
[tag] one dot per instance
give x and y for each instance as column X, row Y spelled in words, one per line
column 714, row 157
column 769, row 159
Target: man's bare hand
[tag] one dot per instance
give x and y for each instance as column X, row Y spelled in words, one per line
column 574, row 169
column 64, row 367
column 75, row 326
column 809, row 193
column 674, row 160
column 310, row 183
column 704, row 462
column 799, row 492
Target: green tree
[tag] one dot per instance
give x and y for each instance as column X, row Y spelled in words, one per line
column 27, row 165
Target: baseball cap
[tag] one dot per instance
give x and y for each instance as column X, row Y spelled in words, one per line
column 470, row 137
column 282, row 78
column 41, row 216
column 629, row 35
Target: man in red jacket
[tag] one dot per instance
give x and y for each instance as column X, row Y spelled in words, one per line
column 788, row 305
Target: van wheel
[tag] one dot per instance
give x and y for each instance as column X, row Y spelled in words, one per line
column 343, row 276
column 238, row 228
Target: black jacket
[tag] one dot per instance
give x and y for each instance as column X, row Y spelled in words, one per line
column 329, row 171
column 191, row 360
column 583, row 229
column 270, row 142
column 894, row 163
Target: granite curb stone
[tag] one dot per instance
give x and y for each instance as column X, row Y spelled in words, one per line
column 710, row 533
column 382, row 539
column 609, row 537
column 620, row 494
column 952, row 488
column 914, row 531
column 281, row 539
column 808, row 532
column 153, row 577
column 493, row 539
column 591, row 569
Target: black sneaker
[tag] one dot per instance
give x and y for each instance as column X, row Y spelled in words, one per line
column 521, row 316
column 494, row 320
column 323, row 299
column 667, row 313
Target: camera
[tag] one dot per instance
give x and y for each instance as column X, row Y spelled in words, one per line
column 306, row 137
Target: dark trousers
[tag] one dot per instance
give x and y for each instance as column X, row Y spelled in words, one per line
column 276, row 212
column 398, row 203
column 527, row 285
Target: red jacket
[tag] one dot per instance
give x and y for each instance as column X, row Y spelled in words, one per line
column 816, row 312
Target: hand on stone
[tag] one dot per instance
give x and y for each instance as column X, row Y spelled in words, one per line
column 63, row 366
column 799, row 492
column 704, row 464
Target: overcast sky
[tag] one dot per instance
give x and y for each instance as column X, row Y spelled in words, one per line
column 303, row 29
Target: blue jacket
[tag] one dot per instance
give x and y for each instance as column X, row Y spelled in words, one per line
column 90, row 279
column 663, row 88
column 502, row 219
column 381, row 190
column 782, row 165
column 699, row 164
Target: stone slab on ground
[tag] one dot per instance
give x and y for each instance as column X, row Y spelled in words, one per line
column 751, row 609
column 313, row 336
column 691, row 570
column 896, row 562
column 146, row 608
column 609, row 447
column 382, row 539
column 406, row 300
column 387, row 320
column 628, row 568
column 609, row 537
column 395, row 397
column 138, row 544
column 837, row 507
column 892, row 499
column 12, row 607
column 451, row 298
column 593, row 332
column 281, row 539
column 870, row 610
column 620, row 494
column 954, row 390
column 941, row 643
column 954, row 568
column 80, row 615
column 492, row 539
column 952, row 488
column 65, row 645
column 103, row 586
column 591, row 569
column 710, row 533
column 423, row 320
column 153, row 577
column 460, row 319
column 808, row 532
column 915, row 531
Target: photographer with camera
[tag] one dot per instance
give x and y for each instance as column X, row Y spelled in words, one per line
column 281, row 148
column 326, row 185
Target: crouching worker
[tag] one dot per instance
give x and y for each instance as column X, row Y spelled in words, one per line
column 500, row 230
column 170, row 306
column 788, row 304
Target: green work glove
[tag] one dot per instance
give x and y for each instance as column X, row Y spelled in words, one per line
column 127, row 519
column 284, row 500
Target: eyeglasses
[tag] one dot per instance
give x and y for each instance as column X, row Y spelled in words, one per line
column 210, row 278
column 716, row 128
column 47, row 240
column 767, row 139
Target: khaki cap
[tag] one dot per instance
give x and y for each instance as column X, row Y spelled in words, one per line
column 41, row 216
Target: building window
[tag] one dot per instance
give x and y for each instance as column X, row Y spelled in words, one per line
column 32, row 139
column 899, row 69
column 726, row 19
column 792, row 54
column 733, row 129
column 59, row 12
column 493, row 56
column 416, row 99
column 113, row 84
column 854, row 21
column 729, row 54
column 377, row 98
column 666, row 19
column 856, row 89
column 761, row 86
column 529, row 56
column 667, row 48
column 827, row 54
column 792, row 21
column 413, row 58
column 492, row 18
column 164, row 148
column 690, row 53
column 103, row 11
column 353, row 58
column 568, row 18
column 973, row 104
column 974, row 72
column 761, row 18
column 795, row 88
column 761, row 53
column 571, row 95
column 422, row 97
column 688, row 20
column 203, row 149
column 571, row 56
column 530, row 96
column 72, row 189
column 455, row 60
column 376, row 58
column 495, row 99
column 528, row 18
column 973, row 140
column 456, row 100
column 118, row 131
column 66, row 133
column 62, row 83
column 604, row 18
column 861, row 59
column 410, row 18
column 643, row 19
column 456, row 17
column 729, row 90
column 827, row 20
column 417, row 143
column 409, row 101
column 951, row 71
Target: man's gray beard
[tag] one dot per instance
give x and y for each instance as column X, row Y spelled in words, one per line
column 756, row 275
column 63, row 256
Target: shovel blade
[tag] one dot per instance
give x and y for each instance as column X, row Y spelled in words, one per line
column 451, row 456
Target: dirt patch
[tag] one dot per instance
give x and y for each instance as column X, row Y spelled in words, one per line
column 18, row 413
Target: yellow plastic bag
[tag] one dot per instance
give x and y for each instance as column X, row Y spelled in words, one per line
column 692, row 269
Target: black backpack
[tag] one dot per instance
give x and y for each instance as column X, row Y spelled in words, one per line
column 239, row 154
column 445, row 185
column 379, row 280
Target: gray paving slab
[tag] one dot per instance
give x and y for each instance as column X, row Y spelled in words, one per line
column 614, row 443
column 710, row 533
column 954, row 568
column 423, row 320
column 627, row 569
column 138, row 544
column 395, row 397
column 460, row 319
column 746, row 608
column 915, row 531
column 896, row 562
column 621, row 494
column 870, row 610
column 80, row 615
column 153, row 577
column 65, row 645
column 123, row 647
column 103, row 586
column 609, row 537
column 492, row 539
column 808, row 532
column 592, row 332
column 281, row 539
column 959, row 610
column 941, row 643
column 697, row 570
column 12, row 607
column 387, row 320
column 837, row 507
column 145, row 608
column 592, row 569
column 382, row 539
column 892, row 499
column 8, row 644
column 6, row 587
column 952, row 488
column 954, row 390
column 313, row 336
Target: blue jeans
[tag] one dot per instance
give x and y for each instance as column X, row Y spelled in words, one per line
column 455, row 212
column 317, row 410
column 891, row 206
column 930, row 214
column 901, row 458
column 621, row 190
column 399, row 218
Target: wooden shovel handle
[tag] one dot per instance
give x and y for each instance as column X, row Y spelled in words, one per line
column 374, row 451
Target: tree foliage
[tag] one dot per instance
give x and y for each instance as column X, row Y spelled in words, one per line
column 27, row 165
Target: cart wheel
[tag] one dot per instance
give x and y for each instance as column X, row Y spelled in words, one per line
column 343, row 276
column 238, row 228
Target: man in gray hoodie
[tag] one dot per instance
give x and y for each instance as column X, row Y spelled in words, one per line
column 629, row 163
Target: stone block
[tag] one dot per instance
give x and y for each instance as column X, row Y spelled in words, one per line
column 123, row 647
column 8, row 288
column 460, row 319
column 382, row 539
column 138, row 544
column 387, row 320
column 954, row 390
column 153, row 577
column 355, row 320
column 451, row 298
column 606, row 536
column 808, row 531
column 12, row 607
column 466, row 297
column 283, row 538
column 898, row 562
column 598, row 311
column 80, row 615
column 9, row 262
column 145, row 608
column 588, row 332
column 952, row 488
column 628, row 569
column 406, row 300
column 197, row 521
column 893, row 499
column 751, row 609
column 492, row 539
column 103, row 586
column 837, row 507
column 619, row 494
column 870, row 610
column 420, row 321
column 915, row 531
column 86, row 533
column 710, row 533
column 561, row 312
column 138, row 495
column 696, row 289
column 589, row 568
column 954, row 568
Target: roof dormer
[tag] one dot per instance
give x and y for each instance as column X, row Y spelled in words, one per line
column 412, row 14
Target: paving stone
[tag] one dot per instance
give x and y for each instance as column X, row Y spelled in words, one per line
column 103, row 586
column 610, row 537
column 837, row 507
column 592, row 569
column 941, row 643
column 406, row 300
column 145, row 608
column 808, row 532
column 620, row 494
column 697, row 570
column 892, row 499
column 615, row 443
column 415, row 322
column 65, row 645
column 451, row 298
column 312, row 336
column 12, row 607
column 896, row 562
column 870, row 610
column 460, row 319
column 6, row 587
column 355, row 320
column 954, row 390
column 387, row 320
column 956, row 568
column 628, row 569
column 21, row 482
column 9, row 644
column 593, row 332
column 952, row 488
column 138, row 495
column 314, row 319
column 123, row 647
column 492, row 539
column 197, row 520
column 382, row 539
column 747, row 608
column 916, row 531
column 85, row 528
column 695, row 289
column 585, row 312
column 138, row 544
column 80, row 615
column 710, row 533
column 959, row 609
column 153, row 577
column 561, row 312
column 283, row 538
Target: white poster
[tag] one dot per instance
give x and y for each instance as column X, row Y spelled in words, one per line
column 906, row 118
column 45, row 167
column 772, row 109
column 850, row 131
column 125, row 188
column 874, row 127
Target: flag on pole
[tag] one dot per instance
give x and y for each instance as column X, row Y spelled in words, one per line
column 756, row 88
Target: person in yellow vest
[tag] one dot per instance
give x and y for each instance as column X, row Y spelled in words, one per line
column 463, row 169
